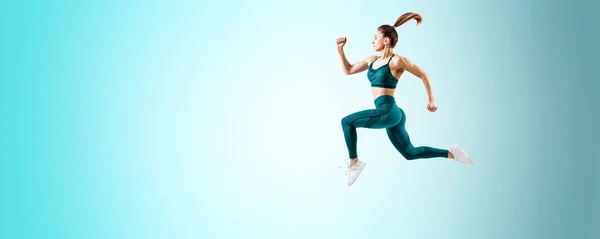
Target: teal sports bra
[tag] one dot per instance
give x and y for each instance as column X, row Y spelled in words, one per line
column 382, row 77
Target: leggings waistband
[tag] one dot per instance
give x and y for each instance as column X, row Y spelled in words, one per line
column 384, row 99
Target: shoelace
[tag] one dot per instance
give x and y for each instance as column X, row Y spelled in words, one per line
column 347, row 166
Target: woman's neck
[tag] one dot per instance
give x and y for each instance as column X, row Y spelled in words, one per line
column 386, row 53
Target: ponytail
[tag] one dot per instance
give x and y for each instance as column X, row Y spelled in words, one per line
column 407, row 17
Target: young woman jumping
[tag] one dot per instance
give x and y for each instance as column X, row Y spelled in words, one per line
column 383, row 72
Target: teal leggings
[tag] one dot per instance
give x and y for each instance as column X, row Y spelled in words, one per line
column 391, row 117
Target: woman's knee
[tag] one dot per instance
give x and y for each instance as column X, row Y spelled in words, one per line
column 410, row 156
column 408, row 153
column 345, row 121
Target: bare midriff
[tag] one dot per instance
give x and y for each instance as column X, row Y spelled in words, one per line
column 382, row 91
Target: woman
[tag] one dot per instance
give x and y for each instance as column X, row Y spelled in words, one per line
column 383, row 72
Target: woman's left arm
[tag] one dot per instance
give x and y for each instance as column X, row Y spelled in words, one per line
column 406, row 64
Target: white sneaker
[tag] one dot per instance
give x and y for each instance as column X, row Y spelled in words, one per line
column 354, row 171
column 460, row 155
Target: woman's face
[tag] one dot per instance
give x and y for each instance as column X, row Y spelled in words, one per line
column 378, row 41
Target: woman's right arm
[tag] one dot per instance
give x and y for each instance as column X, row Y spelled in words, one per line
column 350, row 69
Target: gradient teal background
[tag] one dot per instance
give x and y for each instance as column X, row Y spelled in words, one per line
column 193, row 119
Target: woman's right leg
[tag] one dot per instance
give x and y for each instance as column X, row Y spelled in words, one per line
column 373, row 118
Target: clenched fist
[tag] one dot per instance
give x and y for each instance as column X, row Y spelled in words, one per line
column 340, row 42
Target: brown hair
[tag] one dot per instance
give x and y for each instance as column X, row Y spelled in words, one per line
column 390, row 31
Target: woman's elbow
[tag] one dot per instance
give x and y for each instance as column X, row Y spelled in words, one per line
column 347, row 71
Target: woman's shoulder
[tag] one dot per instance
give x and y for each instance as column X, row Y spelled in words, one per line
column 371, row 58
column 397, row 57
column 398, row 61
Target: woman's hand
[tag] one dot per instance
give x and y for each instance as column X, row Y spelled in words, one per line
column 340, row 42
column 431, row 106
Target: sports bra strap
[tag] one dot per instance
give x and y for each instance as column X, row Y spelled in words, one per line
column 378, row 58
